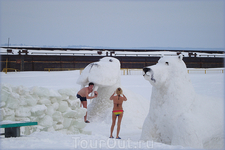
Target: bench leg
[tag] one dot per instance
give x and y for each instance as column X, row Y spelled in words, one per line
column 12, row 132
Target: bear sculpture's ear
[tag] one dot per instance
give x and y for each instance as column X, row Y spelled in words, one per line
column 180, row 57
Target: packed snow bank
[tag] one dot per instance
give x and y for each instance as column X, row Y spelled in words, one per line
column 177, row 115
column 53, row 110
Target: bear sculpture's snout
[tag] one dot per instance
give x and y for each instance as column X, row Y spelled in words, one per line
column 146, row 69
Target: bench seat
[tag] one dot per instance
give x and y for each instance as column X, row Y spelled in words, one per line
column 12, row 129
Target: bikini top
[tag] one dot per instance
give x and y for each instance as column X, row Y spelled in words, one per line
column 118, row 100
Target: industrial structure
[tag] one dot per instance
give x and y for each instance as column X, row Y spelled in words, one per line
column 42, row 59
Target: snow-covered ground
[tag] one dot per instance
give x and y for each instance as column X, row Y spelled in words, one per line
column 211, row 84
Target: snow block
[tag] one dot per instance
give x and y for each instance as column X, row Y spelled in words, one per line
column 63, row 98
column 8, row 112
column 12, row 101
column 22, row 119
column 44, row 101
column 2, row 113
column 34, row 118
column 78, row 123
column 79, row 113
column 63, row 106
column 11, row 117
column 72, row 97
column 38, row 110
column 37, row 128
column 55, row 105
column 57, row 116
column 46, row 121
column 50, row 110
column 53, row 94
column 23, row 112
column 4, row 94
column 73, row 130
column 27, row 100
column 70, row 114
column 53, row 99
column 2, row 104
column 74, row 104
column 40, row 91
column 21, row 90
column 58, row 126
column 68, row 92
column 67, row 122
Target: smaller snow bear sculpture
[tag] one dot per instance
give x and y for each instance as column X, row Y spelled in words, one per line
column 105, row 74
column 177, row 115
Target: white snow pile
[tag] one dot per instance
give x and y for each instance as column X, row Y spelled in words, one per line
column 105, row 74
column 54, row 111
column 177, row 115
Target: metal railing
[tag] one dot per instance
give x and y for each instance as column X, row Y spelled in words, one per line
column 9, row 70
column 205, row 71
column 126, row 71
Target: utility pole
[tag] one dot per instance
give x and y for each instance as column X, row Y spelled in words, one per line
column 8, row 41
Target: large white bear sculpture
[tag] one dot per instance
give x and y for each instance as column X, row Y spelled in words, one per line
column 105, row 74
column 177, row 115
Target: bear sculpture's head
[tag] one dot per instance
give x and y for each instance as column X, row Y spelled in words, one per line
column 167, row 69
column 105, row 72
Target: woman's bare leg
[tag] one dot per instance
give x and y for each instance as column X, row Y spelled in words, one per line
column 113, row 124
column 118, row 124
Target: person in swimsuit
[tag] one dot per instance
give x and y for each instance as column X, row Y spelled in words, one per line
column 83, row 96
column 117, row 110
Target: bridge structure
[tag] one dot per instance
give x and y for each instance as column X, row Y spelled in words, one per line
column 42, row 59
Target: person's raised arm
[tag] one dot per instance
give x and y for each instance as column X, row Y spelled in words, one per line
column 125, row 98
column 111, row 98
column 90, row 97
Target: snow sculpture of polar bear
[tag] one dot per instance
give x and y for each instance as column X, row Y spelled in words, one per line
column 177, row 115
column 105, row 74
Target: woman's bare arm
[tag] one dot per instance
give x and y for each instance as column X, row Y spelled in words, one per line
column 111, row 98
column 125, row 98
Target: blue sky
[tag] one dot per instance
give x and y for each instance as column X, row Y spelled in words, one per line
column 114, row 23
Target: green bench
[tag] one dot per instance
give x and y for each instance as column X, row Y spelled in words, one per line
column 13, row 129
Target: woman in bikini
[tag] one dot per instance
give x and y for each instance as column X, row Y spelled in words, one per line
column 117, row 110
